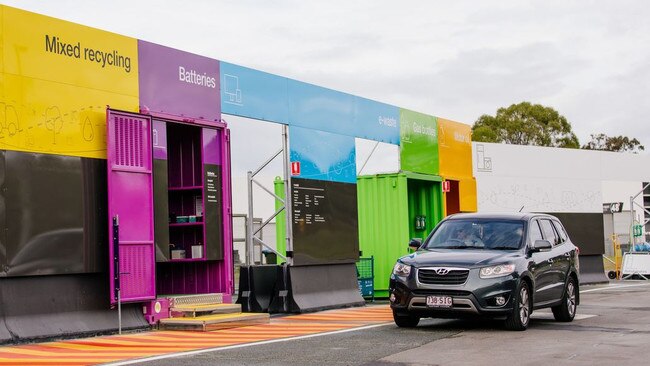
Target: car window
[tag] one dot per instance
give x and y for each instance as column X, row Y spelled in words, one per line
column 489, row 234
column 534, row 232
column 560, row 231
column 549, row 232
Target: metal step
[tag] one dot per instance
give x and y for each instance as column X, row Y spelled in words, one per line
column 215, row 321
column 190, row 310
column 177, row 300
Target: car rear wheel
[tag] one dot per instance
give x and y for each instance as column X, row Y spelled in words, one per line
column 406, row 321
column 566, row 311
column 520, row 316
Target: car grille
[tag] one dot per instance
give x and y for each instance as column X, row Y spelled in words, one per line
column 425, row 292
column 453, row 277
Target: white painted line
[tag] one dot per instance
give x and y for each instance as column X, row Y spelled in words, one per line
column 549, row 316
column 197, row 352
column 614, row 287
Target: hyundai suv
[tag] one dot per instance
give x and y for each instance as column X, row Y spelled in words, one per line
column 494, row 265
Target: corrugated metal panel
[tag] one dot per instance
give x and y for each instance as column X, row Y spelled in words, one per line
column 383, row 223
column 388, row 205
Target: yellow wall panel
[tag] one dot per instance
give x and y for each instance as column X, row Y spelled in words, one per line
column 455, row 149
column 57, row 79
column 55, row 118
column 51, row 49
column 2, row 34
column 467, row 192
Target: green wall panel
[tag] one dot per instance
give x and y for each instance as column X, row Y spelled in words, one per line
column 419, row 143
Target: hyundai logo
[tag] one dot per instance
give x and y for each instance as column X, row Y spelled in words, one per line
column 442, row 271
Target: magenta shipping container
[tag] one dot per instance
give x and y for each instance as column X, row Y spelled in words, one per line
column 169, row 194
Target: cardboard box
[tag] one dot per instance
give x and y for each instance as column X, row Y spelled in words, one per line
column 178, row 254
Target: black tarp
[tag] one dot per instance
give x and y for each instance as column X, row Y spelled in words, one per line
column 586, row 230
column 52, row 214
column 60, row 306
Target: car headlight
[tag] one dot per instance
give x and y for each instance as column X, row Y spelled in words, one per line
column 497, row 271
column 401, row 269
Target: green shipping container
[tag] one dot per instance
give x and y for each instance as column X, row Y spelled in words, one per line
column 394, row 208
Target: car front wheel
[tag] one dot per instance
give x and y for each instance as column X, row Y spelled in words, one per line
column 520, row 316
column 406, row 321
column 566, row 311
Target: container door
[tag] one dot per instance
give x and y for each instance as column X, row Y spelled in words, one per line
column 130, row 201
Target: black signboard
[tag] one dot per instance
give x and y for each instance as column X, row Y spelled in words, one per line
column 161, row 209
column 52, row 214
column 325, row 223
column 212, row 215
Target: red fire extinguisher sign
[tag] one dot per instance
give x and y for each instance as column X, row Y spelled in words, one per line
column 446, row 186
column 295, row 168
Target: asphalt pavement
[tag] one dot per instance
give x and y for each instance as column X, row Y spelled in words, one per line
column 612, row 327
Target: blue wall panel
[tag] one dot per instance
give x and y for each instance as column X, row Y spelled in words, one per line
column 255, row 94
column 323, row 155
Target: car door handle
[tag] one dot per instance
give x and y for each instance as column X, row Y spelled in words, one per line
column 567, row 254
column 550, row 260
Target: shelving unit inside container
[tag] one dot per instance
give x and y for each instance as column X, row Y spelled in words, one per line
column 185, row 192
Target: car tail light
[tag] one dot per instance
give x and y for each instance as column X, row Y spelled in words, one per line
column 577, row 250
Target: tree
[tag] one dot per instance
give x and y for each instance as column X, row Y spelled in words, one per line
column 614, row 143
column 525, row 124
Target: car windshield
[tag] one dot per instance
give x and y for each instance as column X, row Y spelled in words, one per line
column 476, row 234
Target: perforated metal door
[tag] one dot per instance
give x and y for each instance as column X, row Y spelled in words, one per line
column 130, row 198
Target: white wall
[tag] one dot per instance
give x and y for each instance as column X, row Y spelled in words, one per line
column 621, row 191
column 555, row 180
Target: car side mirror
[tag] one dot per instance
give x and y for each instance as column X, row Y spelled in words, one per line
column 415, row 243
column 541, row 246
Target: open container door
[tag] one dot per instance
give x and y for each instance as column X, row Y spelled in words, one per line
column 130, row 199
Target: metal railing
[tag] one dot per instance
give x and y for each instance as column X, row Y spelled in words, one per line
column 251, row 232
column 632, row 222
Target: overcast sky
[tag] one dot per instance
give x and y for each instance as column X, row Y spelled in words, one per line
column 457, row 59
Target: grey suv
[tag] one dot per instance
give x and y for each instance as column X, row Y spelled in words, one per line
column 494, row 265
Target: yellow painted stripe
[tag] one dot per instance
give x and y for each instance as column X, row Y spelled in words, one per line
column 60, row 361
column 112, row 353
column 120, row 347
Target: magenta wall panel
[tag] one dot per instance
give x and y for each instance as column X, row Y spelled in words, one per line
column 178, row 83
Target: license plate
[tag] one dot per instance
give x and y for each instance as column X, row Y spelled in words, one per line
column 439, row 301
